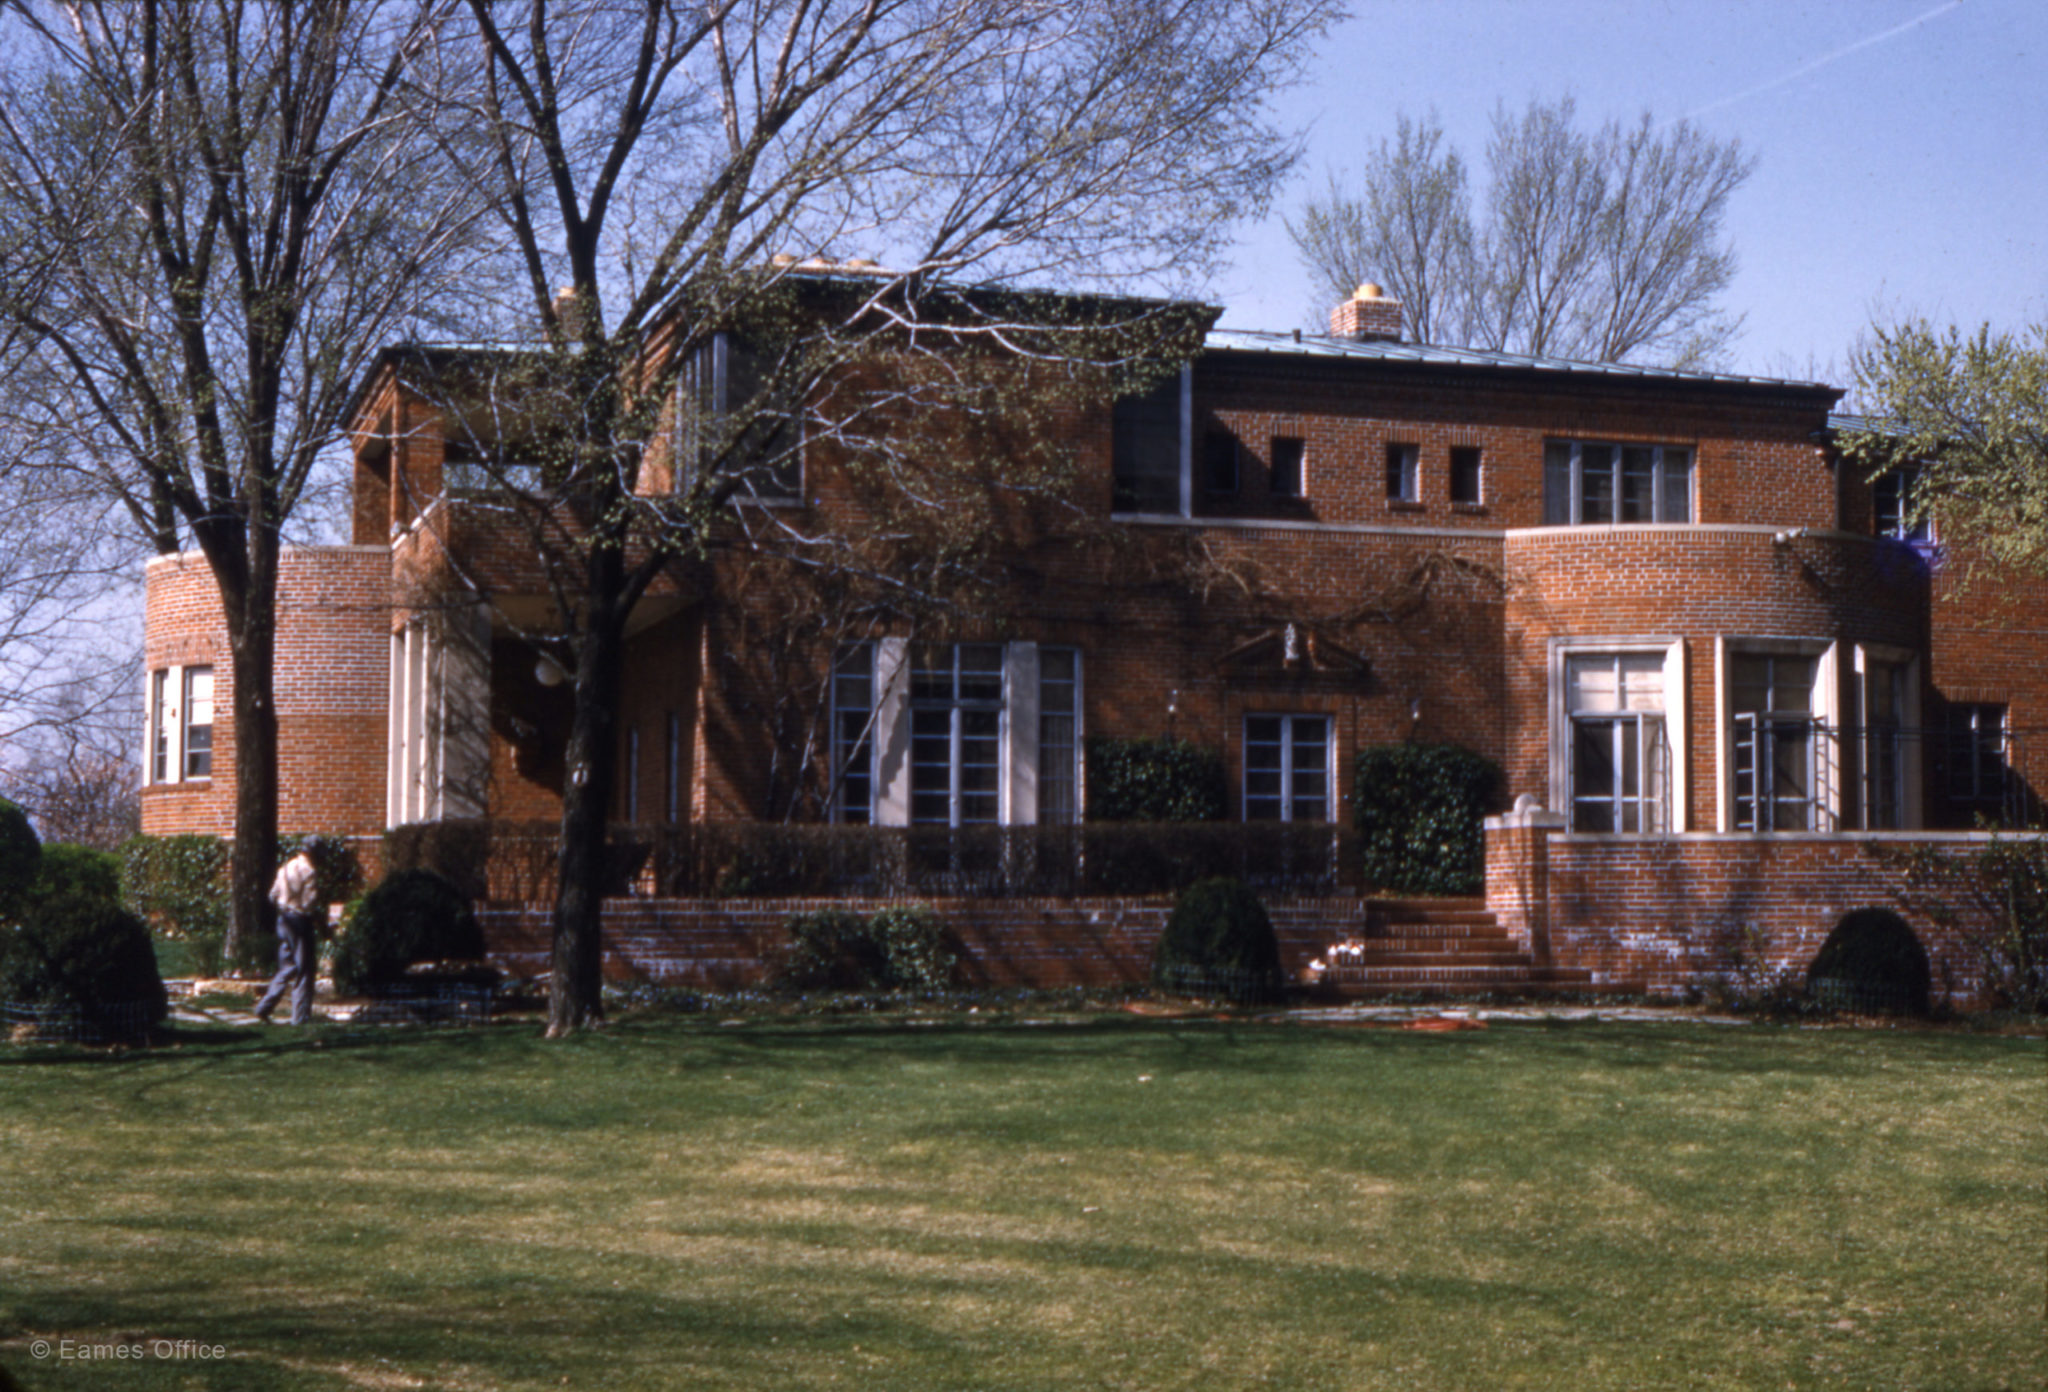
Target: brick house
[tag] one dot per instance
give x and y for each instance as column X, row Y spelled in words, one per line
column 1715, row 670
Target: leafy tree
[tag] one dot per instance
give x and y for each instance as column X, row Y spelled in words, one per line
column 665, row 174
column 1968, row 414
column 1603, row 245
column 215, row 213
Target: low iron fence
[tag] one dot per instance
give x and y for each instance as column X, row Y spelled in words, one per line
column 516, row 861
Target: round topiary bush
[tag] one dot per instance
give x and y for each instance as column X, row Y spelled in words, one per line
column 913, row 940
column 76, row 954
column 21, row 855
column 412, row 916
column 1871, row 962
column 79, row 870
column 1219, row 942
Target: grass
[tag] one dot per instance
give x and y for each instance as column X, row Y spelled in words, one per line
column 981, row 1205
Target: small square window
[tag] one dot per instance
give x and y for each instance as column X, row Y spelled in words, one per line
column 1404, row 474
column 1219, row 462
column 1465, row 474
column 1290, row 468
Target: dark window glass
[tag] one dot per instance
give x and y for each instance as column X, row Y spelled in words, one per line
column 1404, row 473
column 1219, row 462
column 1289, row 467
column 1465, row 477
column 1146, row 450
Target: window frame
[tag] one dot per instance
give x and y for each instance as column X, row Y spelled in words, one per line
column 1287, row 467
column 1676, row 714
column 1287, row 797
column 1404, row 472
column 959, row 712
column 700, row 404
column 1473, row 464
column 1572, row 469
column 1125, row 495
column 195, row 764
column 853, row 798
column 1822, row 716
column 1891, row 507
column 1971, row 738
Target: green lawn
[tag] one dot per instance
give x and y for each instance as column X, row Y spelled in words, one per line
column 1119, row 1203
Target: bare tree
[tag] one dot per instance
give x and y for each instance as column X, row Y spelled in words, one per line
column 218, row 215
column 673, row 170
column 1602, row 245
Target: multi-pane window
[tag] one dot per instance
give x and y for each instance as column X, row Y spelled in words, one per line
column 1220, row 462
column 1620, row 756
column 1777, row 753
column 1287, row 768
column 1884, row 756
column 956, row 733
column 1974, row 756
column 1465, row 478
column 1059, row 718
column 731, row 418
column 1589, row 483
column 197, row 730
column 1404, row 473
column 1145, row 450
column 853, row 715
column 1290, row 467
column 1891, row 500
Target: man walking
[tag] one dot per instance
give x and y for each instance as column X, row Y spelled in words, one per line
column 297, row 962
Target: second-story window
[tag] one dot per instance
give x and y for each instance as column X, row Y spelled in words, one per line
column 1404, row 473
column 1145, row 450
column 198, row 727
column 1585, row 483
column 1891, row 501
column 1465, row 478
column 732, row 418
column 1290, row 467
column 1219, row 462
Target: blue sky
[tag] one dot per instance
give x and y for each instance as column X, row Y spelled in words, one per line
column 1903, row 144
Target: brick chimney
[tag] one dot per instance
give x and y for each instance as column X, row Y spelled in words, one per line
column 1368, row 316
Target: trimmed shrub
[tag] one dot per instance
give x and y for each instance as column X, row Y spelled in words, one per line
column 902, row 948
column 1871, row 962
column 78, row 953
column 21, row 855
column 412, row 916
column 79, row 870
column 1155, row 780
column 831, row 950
column 913, row 943
column 1219, row 942
column 1420, row 810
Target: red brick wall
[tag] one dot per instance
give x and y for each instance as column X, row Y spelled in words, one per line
column 332, row 689
column 726, row 944
column 1672, row 912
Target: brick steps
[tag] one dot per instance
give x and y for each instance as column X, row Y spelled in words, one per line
column 1448, row 948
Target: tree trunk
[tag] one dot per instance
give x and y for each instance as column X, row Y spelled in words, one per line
column 252, row 644
column 574, row 981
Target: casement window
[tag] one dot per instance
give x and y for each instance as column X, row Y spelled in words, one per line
column 1779, row 754
column 1585, row 483
column 1289, row 469
column 1404, row 473
column 956, row 734
column 1883, row 697
column 1976, row 771
column 730, row 420
column 853, row 743
column 1150, row 460
column 1059, row 725
column 1220, row 462
column 197, row 729
column 1891, row 502
column 179, row 737
column 1620, row 756
column 1465, row 474
column 1287, row 768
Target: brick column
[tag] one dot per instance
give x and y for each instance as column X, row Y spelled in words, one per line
column 1518, row 873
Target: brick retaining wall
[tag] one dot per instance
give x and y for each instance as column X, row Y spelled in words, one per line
column 724, row 944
